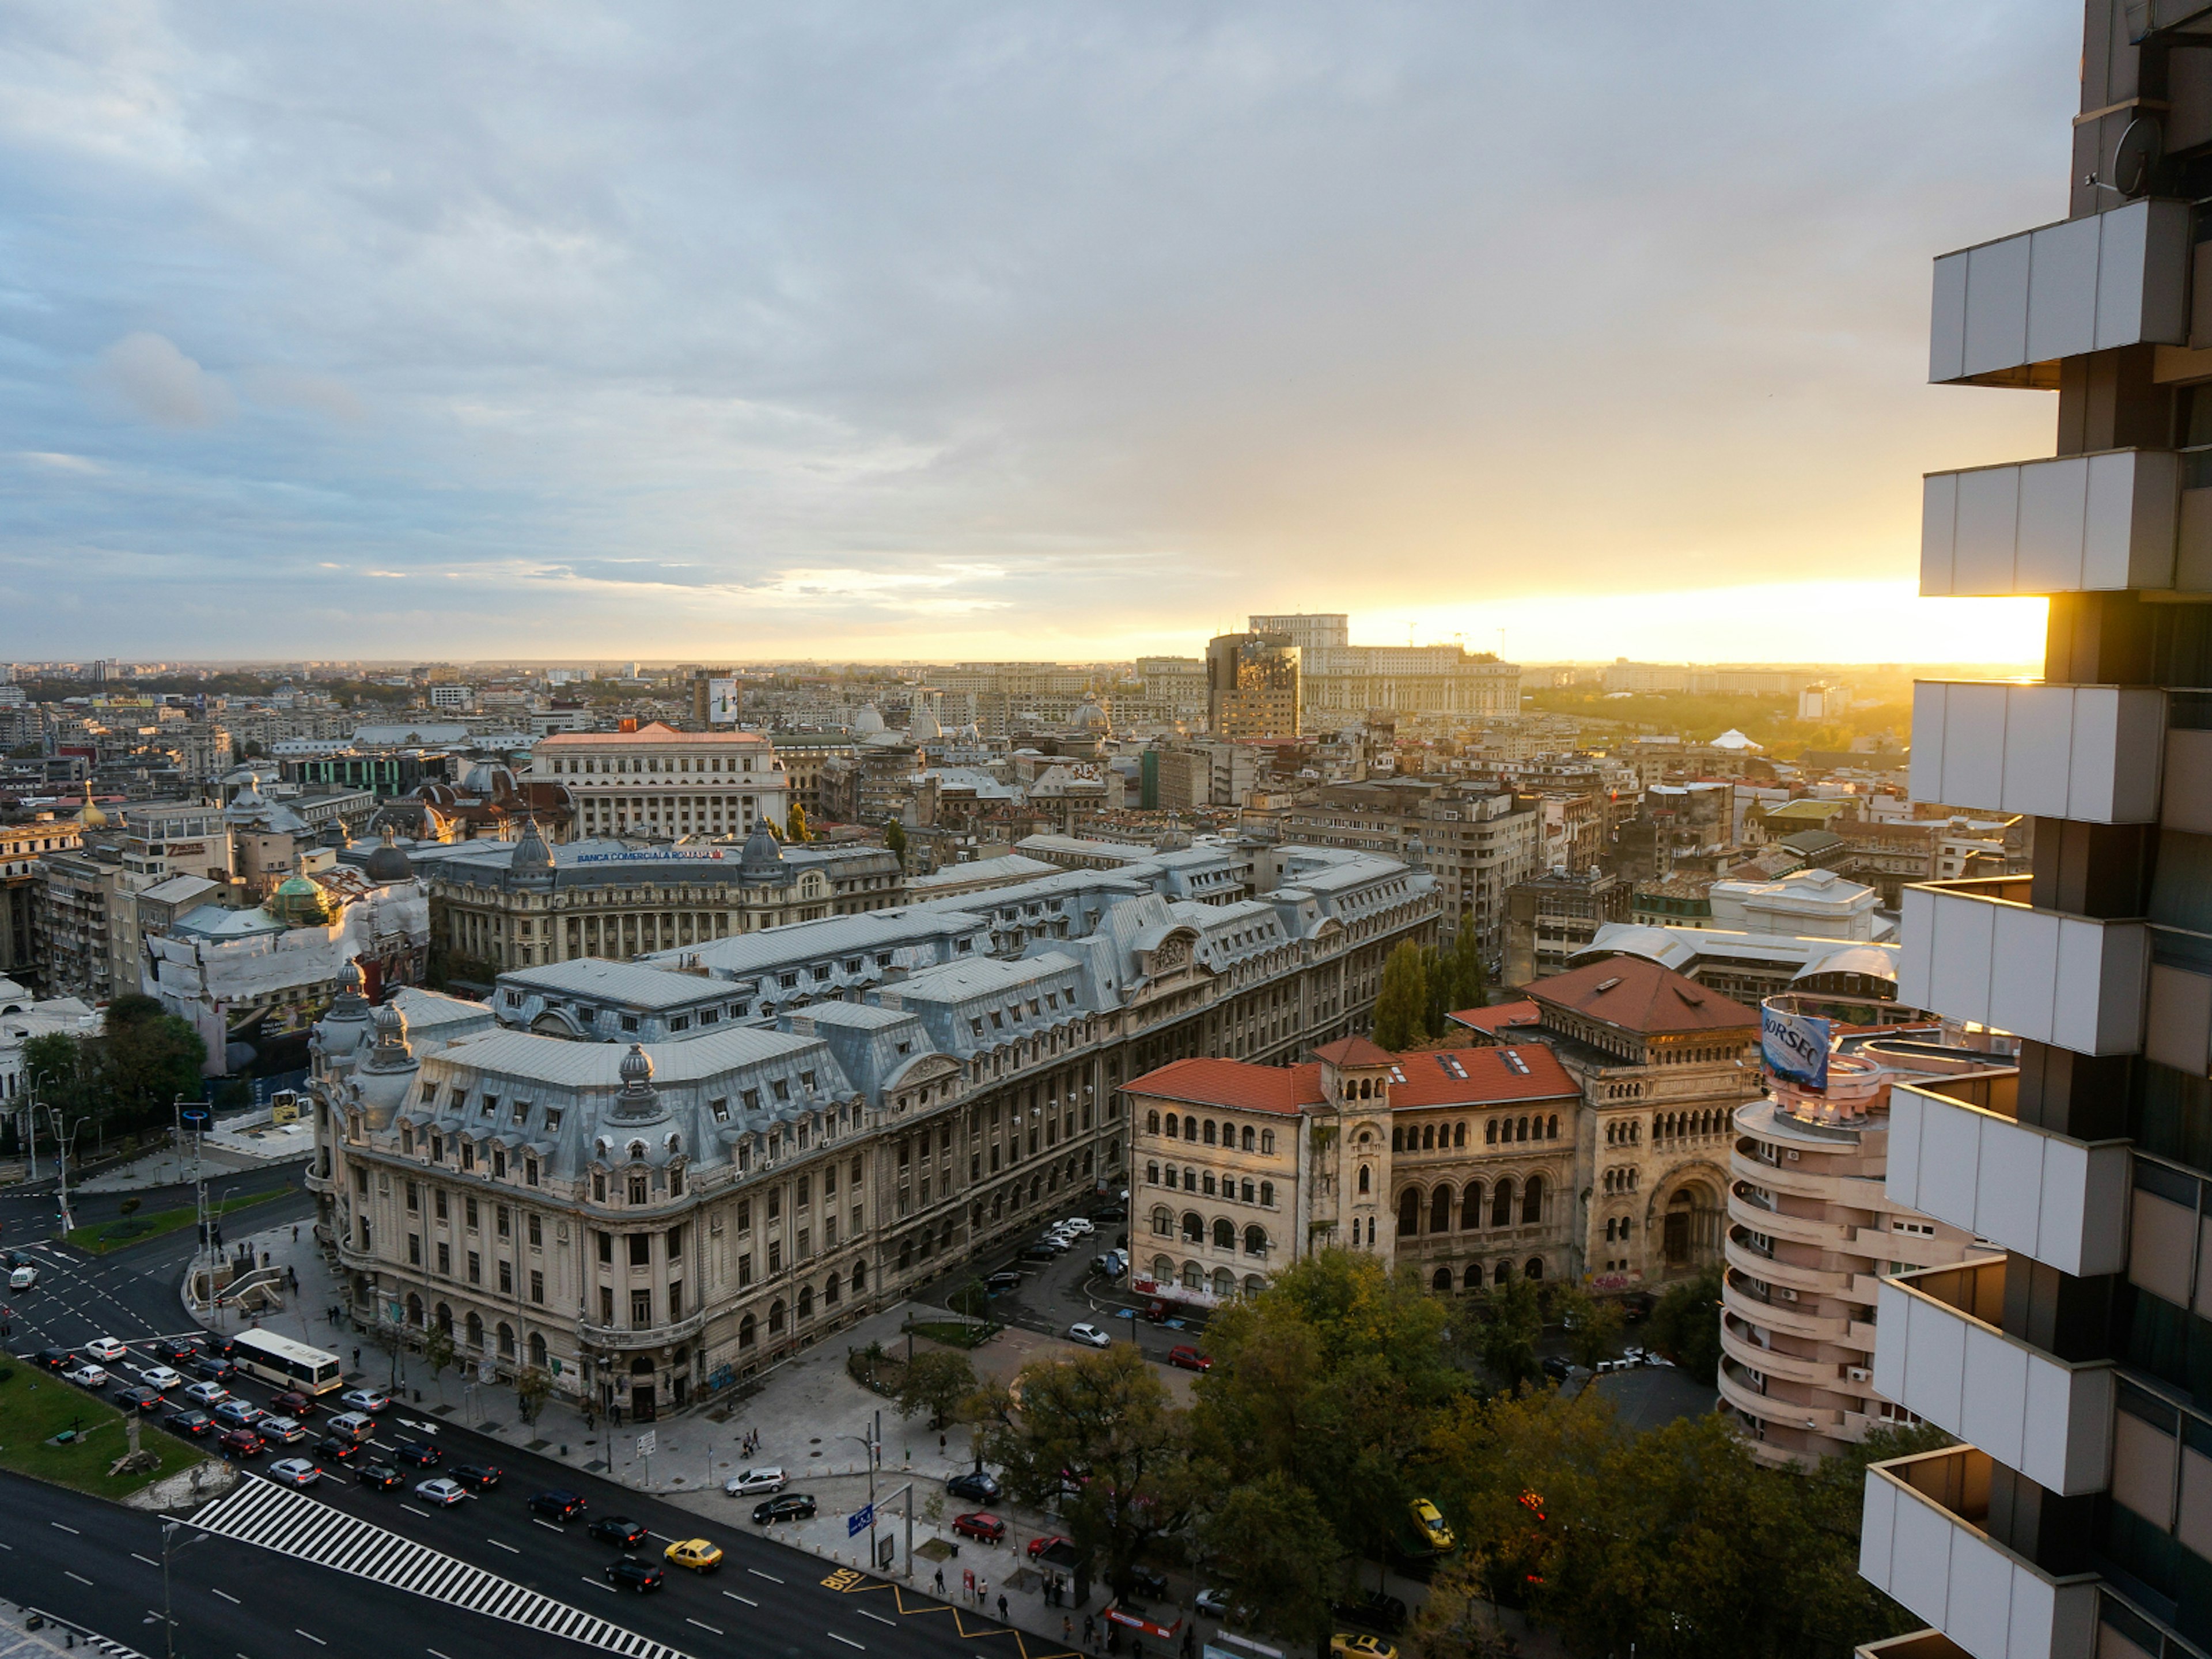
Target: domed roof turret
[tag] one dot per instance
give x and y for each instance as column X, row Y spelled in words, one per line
column 299, row 901
column 532, row 856
column 763, row 853
column 924, row 728
column 1092, row 717
column 90, row 817
column 340, row 1033
column 387, row 863
column 868, row 721
column 639, row 1102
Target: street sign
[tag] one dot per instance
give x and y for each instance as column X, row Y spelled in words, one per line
column 859, row 1519
column 646, row 1441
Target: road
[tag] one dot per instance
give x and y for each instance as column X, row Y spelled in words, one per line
column 488, row 1552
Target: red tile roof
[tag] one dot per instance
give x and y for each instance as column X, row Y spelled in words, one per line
column 1495, row 1015
column 1353, row 1051
column 1640, row 995
column 1236, row 1085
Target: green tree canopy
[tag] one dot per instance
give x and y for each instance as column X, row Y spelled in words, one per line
column 1271, row 1542
column 1685, row 1325
column 936, row 1380
column 1401, row 1002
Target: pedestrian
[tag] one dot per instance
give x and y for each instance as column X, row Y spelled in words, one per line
column 1090, row 1630
column 1189, row 1641
column 982, row 1592
column 357, row 1359
column 1067, row 1631
column 1002, row 1607
column 940, row 1581
column 295, row 1232
column 967, row 1585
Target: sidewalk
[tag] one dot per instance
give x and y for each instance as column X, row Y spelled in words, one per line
column 171, row 1168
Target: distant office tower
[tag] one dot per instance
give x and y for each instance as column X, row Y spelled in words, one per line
column 2078, row 1519
column 1252, row 685
column 1307, row 630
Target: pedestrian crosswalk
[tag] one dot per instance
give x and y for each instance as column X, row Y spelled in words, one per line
column 281, row 1519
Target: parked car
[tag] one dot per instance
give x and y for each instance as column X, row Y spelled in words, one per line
column 1212, row 1601
column 1189, row 1359
column 105, row 1349
column 1431, row 1520
column 976, row 1486
column 1112, row 1264
column 560, row 1505
column 382, row 1477
column 192, row 1425
column 1038, row 1545
column 442, row 1492
column 1555, row 1367
column 1113, row 1212
column 1039, row 1253
column 1375, row 1610
column 699, row 1554
column 790, row 1506
column 1079, row 1224
column 1090, row 1335
column 619, row 1530
column 87, row 1377
column 477, row 1477
column 630, row 1573
column 295, row 1472
column 241, row 1443
column 988, row 1528
column 1345, row 1646
column 1148, row 1584
column 1002, row 1281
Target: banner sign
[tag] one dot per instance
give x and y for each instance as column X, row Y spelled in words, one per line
column 721, row 702
column 1794, row 1047
column 658, row 855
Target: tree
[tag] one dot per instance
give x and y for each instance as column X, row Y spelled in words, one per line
column 1685, row 1325
column 1466, row 983
column 1591, row 1324
column 796, row 830
column 1273, row 1544
column 1401, row 1003
column 143, row 1059
column 894, row 840
column 936, row 1380
column 438, row 1350
column 1095, row 1435
column 1511, row 1318
column 531, row 1386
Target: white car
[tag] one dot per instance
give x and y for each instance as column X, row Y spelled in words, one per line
column 442, row 1492
column 753, row 1481
column 87, row 1377
column 206, row 1393
column 1079, row 1224
column 23, row 1279
column 354, row 1426
column 105, row 1349
column 1090, row 1335
column 160, row 1378
column 295, row 1472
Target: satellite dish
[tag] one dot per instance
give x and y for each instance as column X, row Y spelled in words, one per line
column 2136, row 156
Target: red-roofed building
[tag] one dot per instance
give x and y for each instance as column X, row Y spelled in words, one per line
column 1458, row 1160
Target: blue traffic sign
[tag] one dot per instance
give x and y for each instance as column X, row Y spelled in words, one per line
column 859, row 1519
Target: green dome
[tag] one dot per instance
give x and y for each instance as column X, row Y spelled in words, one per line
column 298, row 902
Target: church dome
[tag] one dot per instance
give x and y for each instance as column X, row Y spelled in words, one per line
column 1090, row 717
column 299, row 901
column 868, row 721
column 91, row 817
column 387, row 863
column 763, row 853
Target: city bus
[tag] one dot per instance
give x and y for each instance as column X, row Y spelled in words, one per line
column 288, row 1365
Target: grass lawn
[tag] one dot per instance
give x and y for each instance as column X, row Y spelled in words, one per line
column 35, row 1405
column 953, row 1335
column 104, row 1236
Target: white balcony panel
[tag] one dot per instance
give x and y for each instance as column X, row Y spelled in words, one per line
column 2050, row 1420
column 2005, row 312
column 1989, row 1600
column 2093, row 753
column 2072, row 980
column 2076, row 524
column 2062, row 1201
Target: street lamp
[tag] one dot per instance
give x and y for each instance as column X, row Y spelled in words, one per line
column 30, row 1116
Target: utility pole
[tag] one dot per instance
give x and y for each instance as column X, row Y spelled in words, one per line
column 169, row 1617
column 61, row 1161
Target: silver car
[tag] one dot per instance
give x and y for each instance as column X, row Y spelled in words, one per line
column 756, row 1480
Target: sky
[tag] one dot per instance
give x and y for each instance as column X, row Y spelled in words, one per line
column 728, row 332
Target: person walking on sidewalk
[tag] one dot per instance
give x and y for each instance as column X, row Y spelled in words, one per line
column 1002, row 1607
column 940, row 1581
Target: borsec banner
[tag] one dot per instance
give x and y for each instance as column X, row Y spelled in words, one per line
column 1794, row 1047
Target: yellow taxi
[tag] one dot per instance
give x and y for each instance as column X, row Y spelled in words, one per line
column 1431, row 1520
column 700, row 1554
column 1347, row 1646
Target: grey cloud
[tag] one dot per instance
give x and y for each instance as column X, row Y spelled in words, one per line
column 159, row 383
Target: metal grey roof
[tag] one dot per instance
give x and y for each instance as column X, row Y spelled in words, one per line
column 624, row 983
column 526, row 1055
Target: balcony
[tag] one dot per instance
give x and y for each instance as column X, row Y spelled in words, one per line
column 2061, row 1202
column 1942, row 1356
column 1980, row 952
column 2079, row 524
column 648, row 1336
column 1921, row 1541
column 2007, row 311
column 2092, row 753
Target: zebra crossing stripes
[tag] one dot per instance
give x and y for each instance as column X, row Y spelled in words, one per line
column 290, row 1523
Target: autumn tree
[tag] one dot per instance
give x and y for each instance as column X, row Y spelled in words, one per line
column 1273, row 1544
column 797, row 830
column 1509, row 1318
column 1591, row 1323
column 936, row 1380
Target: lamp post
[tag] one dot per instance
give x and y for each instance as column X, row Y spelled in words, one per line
column 61, row 1144
column 30, row 1116
column 873, row 1442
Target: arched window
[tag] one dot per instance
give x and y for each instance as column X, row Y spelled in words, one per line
column 1247, row 1137
column 1502, row 1272
column 1163, row 1271
column 1193, row 1276
column 1470, row 1206
column 1152, row 1175
column 1552, row 1127
column 831, row 1289
column 1535, row 1267
column 1151, row 1123
column 1532, row 1201
column 1254, row 1284
column 1267, row 1194
column 415, row 1310
column 1224, row 1233
column 1440, row 1210
column 859, row 1277
column 1489, row 1132
column 1459, row 1134
column 775, row 1317
column 1520, row 1131
column 1473, row 1278
column 506, row 1340
column 1501, row 1204
column 748, row 1333
column 1442, row 1281
column 1267, row 1143
column 1209, row 1132
column 1168, row 1175
column 1255, row 1241
column 1174, row 1126
column 1162, row 1220
column 1194, row 1227
column 445, row 1318
column 474, row 1328
column 538, row 1349
column 1224, row 1284
column 1363, row 1182
column 1409, row 1212
column 806, row 1301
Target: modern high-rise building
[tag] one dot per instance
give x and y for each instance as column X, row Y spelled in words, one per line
column 2077, row 1518
column 1309, row 630
column 1252, row 685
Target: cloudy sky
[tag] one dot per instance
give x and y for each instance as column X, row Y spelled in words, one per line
column 928, row 330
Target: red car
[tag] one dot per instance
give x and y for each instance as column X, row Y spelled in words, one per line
column 242, row 1443
column 295, row 1405
column 988, row 1528
column 1039, row 1546
column 1189, row 1359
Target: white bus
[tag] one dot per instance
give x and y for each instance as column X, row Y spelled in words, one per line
column 287, row 1363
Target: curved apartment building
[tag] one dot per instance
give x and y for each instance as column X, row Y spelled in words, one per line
column 1811, row 1230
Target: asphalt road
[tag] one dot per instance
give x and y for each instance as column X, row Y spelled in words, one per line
column 765, row 1598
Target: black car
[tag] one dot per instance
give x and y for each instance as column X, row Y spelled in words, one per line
column 1006, row 1279
column 561, row 1505
column 140, row 1399
column 620, row 1530
column 1556, row 1368
column 55, row 1359
column 1039, row 1253
column 421, row 1454
column 477, row 1477
column 338, row 1449
column 175, row 1350
column 219, row 1347
column 790, row 1506
column 215, row 1371
column 382, row 1476
column 1111, row 1213
column 191, row 1424
column 1375, row 1610
column 633, row 1574
column 977, row 1487
column 1148, row 1584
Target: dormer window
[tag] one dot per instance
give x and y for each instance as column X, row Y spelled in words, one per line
column 806, row 1080
column 490, row 1106
column 779, row 1088
column 637, row 1189
column 598, row 1187
column 552, row 1119
column 720, row 1109
column 637, row 1149
column 522, row 1112
column 908, row 1047
column 752, row 1098
column 406, row 1137
column 680, row 1023
column 437, row 1149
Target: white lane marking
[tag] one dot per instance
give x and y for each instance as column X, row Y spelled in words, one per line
column 595, row 1584
column 147, row 1560
column 229, row 1597
column 702, row 1625
column 847, row 1640
column 877, row 1617
column 510, row 1548
column 71, row 1531
column 311, row 1636
column 79, row 1576
column 434, row 1653
column 411, row 1510
column 747, row 1600
column 548, row 1525
column 662, row 1536
column 770, row 1576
